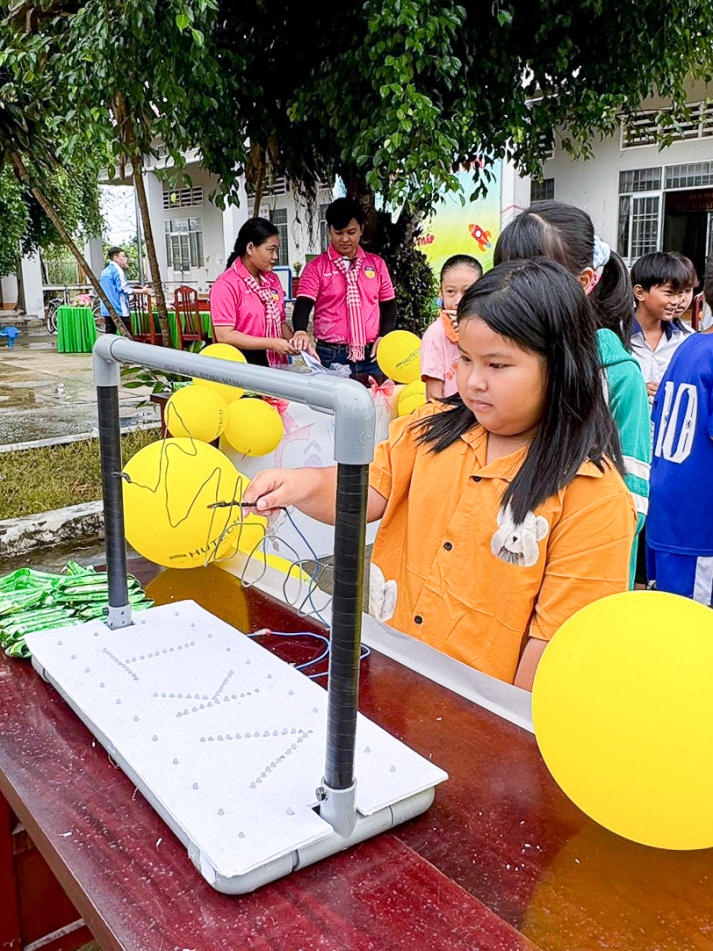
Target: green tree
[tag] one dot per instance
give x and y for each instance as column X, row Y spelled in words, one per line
column 394, row 95
column 123, row 76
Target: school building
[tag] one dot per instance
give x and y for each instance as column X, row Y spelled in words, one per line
column 641, row 198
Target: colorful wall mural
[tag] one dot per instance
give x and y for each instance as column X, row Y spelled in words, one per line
column 470, row 228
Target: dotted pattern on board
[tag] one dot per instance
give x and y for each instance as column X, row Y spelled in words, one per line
column 223, row 738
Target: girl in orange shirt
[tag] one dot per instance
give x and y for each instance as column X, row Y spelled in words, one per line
column 503, row 509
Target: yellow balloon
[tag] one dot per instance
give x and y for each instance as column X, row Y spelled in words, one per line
column 251, row 533
column 399, row 356
column 623, row 716
column 197, row 412
column 411, row 397
column 169, row 487
column 222, row 351
column 254, row 428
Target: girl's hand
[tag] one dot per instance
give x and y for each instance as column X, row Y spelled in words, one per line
column 651, row 389
column 270, row 490
column 310, row 490
column 375, row 347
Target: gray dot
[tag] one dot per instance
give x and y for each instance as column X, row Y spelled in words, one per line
column 241, row 835
column 392, row 769
column 289, row 811
column 195, row 785
column 221, row 812
column 175, row 761
column 155, row 738
column 118, row 702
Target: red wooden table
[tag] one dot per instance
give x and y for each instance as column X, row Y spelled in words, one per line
column 502, row 860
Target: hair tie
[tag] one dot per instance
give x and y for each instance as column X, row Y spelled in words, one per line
column 601, row 253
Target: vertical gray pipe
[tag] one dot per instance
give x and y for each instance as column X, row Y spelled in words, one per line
column 352, row 482
column 110, row 452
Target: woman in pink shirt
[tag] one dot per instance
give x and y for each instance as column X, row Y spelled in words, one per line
column 247, row 303
column 351, row 292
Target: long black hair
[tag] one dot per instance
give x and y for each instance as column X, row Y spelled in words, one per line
column 565, row 233
column 540, row 307
column 254, row 231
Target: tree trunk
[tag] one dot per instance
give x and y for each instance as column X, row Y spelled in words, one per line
column 137, row 166
column 24, row 176
column 259, row 182
column 127, row 136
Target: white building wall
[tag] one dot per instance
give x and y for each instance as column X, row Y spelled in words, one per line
column 593, row 184
column 32, row 285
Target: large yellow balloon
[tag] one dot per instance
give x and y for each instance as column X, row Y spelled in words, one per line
column 197, row 412
column 251, row 533
column 623, row 713
column 399, row 356
column 222, row 351
column 253, row 428
column 169, row 487
column 411, row 397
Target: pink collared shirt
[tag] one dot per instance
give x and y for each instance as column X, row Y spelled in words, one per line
column 233, row 305
column 327, row 287
column 440, row 357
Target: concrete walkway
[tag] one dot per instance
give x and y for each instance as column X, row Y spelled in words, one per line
column 48, row 398
column 45, row 395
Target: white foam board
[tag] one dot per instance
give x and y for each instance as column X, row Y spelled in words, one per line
column 225, row 740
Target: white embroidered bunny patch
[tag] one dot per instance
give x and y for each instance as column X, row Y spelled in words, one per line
column 518, row 544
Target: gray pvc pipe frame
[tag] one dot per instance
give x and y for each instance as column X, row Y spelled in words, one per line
column 354, row 416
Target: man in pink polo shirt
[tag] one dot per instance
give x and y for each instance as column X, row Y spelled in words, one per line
column 351, row 292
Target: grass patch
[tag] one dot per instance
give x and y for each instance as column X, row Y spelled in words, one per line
column 39, row 480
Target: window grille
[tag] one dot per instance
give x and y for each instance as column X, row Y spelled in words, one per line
column 323, row 229
column 640, row 180
column 278, row 216
column 643, row 128
column 273, row 185
column 542, row 191
column 690, row 175
column 638, row 225
column 182, row 197
column 184, row 243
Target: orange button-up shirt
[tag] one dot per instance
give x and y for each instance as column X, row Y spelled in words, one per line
column 468, row 582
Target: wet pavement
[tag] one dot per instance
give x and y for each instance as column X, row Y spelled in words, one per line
column 46, row 395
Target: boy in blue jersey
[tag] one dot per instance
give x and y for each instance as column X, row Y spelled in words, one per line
column 680, row 520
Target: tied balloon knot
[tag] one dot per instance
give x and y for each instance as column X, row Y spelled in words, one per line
column 386, row 388
column 279, row 404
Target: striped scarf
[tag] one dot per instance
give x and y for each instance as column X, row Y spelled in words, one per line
column 356, row 338
column 273, row 317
